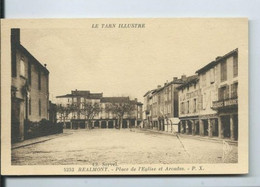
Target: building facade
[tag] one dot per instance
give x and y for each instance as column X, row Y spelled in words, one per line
column 29, row 88
column 104, row 118
column 214, row 93
column 161, row 106
column 189, row 105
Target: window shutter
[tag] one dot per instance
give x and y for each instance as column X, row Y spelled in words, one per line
column 227, row 92
column 200, row 102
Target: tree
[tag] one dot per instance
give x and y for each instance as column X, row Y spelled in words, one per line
column 90, row 110
column 119, row 109
column 64, row 111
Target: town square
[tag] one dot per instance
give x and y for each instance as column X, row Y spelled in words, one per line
column 85, row 147
column 109, row 97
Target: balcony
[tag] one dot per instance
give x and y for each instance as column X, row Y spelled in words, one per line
column 232, row 102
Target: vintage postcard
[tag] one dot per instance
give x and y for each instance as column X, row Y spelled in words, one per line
column 161, row 96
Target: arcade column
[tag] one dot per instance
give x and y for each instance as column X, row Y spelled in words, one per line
column 193, row 127
column 220, row 128
column 232, row 135
column 201, row 127
column 210, row 128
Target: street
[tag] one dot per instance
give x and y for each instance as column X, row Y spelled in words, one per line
column 122, row 146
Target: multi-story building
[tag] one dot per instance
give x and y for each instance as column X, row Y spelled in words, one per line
column 219, row 84
column 104, row 118
column 161, row 106
column 208, row 104
column 189, row 97
column 29, row 88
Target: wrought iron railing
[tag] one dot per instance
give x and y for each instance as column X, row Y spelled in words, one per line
column 224, row 103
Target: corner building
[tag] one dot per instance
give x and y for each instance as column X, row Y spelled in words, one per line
column 104, row 119
column 29, row 88
column 209, row 104
column 221, row 76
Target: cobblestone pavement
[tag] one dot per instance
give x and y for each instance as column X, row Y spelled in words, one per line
column 122, row 146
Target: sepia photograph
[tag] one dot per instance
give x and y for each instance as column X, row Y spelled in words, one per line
column 157, row 96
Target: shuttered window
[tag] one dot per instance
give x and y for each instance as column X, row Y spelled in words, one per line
column 40, row 108
column 22, row 67
column 234, row 90
column 30, row 106
column 29, row 73
column 182, row 108
column 212, row 75
column 195, row 106
column 223, row 71
column 188, row 107
column 235, row 67
column 39, row 78
column 223, row 93
column 13, row 59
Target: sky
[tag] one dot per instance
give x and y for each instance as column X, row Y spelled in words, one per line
column 128, row 62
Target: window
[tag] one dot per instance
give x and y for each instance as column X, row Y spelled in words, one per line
column 195, row 105
column 234, row 90
column 82, row 99
column 29, row 73
column 182, row 108
column 47, row 83
column 22, row 67
column 40, row 107
column 203, row 83
column 188, row 107
column 169, row 94
column 223, row 71
column 39, row 79
column 30, row 106
column 14, row 68
column 204, row 96
column 223, row 93
column 235, row 66
column 212, row 75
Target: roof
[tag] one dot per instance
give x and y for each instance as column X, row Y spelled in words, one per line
column 215, row 62
column 114, row 99
column 177, row 81
column 139, row 103
column 190, row 80
column 64, row 96
column 88, row 95
column 33, row 59
column 147, row 93
column 82, row 93
column 95, row 96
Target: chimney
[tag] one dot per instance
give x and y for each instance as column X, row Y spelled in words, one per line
column 218, row 57
column 15, row 36
column 136, row 99
column 159, row 86
column 45, row 65
column 183, row 77
column 175, row 78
